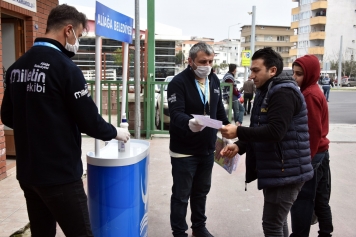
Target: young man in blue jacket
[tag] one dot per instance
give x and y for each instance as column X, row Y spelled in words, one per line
column 194, row 91
column 48, row 105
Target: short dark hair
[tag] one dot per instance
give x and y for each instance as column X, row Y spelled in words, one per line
column 63, row 15
column 270, row 59
column 232, row 67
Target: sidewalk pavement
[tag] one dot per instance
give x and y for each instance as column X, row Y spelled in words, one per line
column 230, row 210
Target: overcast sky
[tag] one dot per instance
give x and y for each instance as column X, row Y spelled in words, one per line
column 205, row 18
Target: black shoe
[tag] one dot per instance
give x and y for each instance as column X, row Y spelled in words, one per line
column 245, row 113
column 202, row 232
column 248, row 112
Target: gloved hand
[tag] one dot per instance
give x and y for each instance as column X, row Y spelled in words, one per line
column 122, row 134
column 195, row 126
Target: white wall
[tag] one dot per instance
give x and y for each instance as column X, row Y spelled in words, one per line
column 341, row 17
column 8, row 44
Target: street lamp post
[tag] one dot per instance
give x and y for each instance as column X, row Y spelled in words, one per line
column 253, row 35
column 253, row 29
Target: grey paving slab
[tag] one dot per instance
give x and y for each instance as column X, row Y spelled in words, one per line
column 231, row 210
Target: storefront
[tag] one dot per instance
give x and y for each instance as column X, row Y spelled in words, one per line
column 21, row 22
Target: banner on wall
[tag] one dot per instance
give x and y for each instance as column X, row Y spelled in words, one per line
column 26, row 4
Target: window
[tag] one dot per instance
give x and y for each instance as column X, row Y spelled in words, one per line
column 280, row 38
column 303, row 44
column 303, row 30
column 268, row 38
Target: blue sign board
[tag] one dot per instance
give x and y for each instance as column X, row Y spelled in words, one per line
column 112, row 24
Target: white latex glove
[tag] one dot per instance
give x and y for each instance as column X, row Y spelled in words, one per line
column 195, row 126
column 122, row 134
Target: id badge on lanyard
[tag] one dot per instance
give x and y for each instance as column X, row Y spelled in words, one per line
column 204, row 99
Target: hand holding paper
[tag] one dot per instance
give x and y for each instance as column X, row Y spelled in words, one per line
column 208, row 122
column 229, row 150
column 229, row 131
column 195, row 125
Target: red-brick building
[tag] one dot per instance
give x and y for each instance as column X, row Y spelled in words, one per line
column 21, row 22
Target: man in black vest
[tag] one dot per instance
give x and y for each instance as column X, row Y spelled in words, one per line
column 276, row 143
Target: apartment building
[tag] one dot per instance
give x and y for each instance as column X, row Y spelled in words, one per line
column 277, row 37
column 227, row 51
column 319, row 24
column 187, row 44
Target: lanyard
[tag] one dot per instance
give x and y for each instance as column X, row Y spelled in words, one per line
column 206, row 91
column 204, row 100
column 46, row 44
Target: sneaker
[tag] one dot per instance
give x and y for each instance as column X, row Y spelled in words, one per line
column 202, row 232
column 238, row 124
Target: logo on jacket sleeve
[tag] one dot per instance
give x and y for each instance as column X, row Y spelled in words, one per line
column 172, row 98
column 82, row 93
column 217, row 91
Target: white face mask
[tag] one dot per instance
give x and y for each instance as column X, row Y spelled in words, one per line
column 202, row 71
column 72, row 47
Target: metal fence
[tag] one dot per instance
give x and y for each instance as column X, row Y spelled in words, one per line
column 154, row 99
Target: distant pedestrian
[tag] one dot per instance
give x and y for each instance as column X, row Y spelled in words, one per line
column 48, row 104
column 326, row 85
column 248, row 89
column 237, row 107
column 315, row 193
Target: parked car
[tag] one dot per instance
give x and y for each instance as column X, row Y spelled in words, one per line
column 287, row 71
column 348, row 82
column 159, row 105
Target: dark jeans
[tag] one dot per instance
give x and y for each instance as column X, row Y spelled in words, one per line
column 326, row 89
column 238, row 111
column 314, row 195
column 65, row 204
column 277, row 204
column 191, row 179
column 247, row 101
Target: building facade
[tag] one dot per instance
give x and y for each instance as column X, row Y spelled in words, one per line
column 319, row 24
column 277, row 37
column 21, row 22
column 227, row 51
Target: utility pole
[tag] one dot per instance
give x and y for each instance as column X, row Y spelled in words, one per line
column 339, row 69
column 253, row 30
column 137, row 71
column 150, row 63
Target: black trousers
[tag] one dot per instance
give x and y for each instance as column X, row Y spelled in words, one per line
column 247, row 101
column 65, row 204
column 191, row 180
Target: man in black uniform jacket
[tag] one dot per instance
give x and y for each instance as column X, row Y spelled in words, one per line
column 48, row 105
column 196, row 90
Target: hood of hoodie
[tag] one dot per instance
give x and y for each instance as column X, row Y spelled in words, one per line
column 311, row 69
